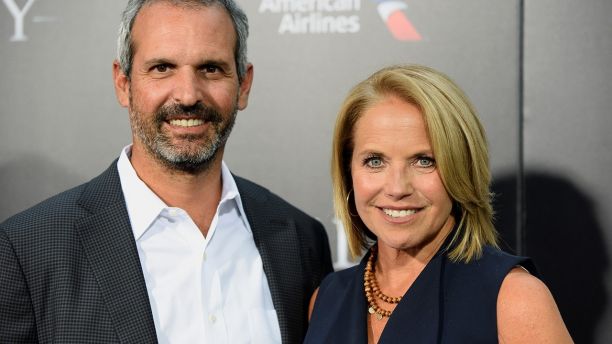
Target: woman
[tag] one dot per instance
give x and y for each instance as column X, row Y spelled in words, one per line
column 411, row 185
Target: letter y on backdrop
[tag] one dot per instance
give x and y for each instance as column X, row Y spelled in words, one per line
column 18, row 16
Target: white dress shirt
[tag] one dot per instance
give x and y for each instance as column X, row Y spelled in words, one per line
column 202, row 289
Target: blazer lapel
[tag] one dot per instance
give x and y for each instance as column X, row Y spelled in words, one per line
column 276, row 239
column 110, row 246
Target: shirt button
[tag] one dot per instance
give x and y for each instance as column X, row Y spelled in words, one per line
column 212, row 318
column 204, row 257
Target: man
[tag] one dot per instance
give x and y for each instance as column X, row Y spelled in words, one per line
column 166, row 245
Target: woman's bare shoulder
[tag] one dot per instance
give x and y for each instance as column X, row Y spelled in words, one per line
column 527, row 312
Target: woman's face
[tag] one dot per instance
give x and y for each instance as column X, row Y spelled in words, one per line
column 398, row 191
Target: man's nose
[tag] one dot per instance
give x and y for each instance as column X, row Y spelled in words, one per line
column 188, row 88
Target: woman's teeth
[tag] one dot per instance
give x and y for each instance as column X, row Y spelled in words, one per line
column 398, row 213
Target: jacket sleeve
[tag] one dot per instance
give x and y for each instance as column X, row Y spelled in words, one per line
column 325, row 254
column 17, row 322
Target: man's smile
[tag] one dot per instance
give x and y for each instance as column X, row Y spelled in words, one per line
column 186, row 122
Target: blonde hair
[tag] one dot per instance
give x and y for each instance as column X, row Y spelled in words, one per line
column 459, row 145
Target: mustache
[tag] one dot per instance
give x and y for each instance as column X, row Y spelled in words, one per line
column 196, row 111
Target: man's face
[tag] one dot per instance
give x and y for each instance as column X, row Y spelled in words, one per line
column 183, row 92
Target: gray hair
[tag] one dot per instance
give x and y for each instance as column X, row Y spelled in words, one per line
column 125, row 47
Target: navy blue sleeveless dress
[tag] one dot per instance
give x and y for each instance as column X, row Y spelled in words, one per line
column 448, row 303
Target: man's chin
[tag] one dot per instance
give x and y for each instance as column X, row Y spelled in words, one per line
column 187, row 161
column 190, row 166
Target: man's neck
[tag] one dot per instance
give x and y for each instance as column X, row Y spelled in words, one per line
column 196, row 193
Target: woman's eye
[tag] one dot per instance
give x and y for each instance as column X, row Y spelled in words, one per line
column 374, row 162
column 425, row 162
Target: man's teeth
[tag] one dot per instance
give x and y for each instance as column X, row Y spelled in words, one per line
column 186, row 122
column 399, row 213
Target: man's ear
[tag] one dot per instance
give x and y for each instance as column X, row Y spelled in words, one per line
column 122, row 85
column 245, row 88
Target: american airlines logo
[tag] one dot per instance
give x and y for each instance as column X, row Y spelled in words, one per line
column 393, row 13
column 314, row 17
column 338, row 17
column 19, row 14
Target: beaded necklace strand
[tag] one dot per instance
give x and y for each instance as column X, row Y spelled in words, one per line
column 372, row 291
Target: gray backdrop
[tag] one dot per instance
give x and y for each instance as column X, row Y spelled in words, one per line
column 537, row 72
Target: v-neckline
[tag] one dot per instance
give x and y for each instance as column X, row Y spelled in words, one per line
column 417, row 315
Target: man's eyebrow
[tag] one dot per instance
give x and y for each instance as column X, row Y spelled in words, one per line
column 158, row 61
column 215, row 62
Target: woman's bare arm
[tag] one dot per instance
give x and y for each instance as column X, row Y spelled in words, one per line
column 527, row 312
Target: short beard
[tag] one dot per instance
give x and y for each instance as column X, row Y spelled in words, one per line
column 193, row 159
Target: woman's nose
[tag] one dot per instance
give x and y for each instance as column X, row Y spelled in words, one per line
column 398, row 183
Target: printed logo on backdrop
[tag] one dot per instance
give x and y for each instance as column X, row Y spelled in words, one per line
column 19, row 14
column 338, row 17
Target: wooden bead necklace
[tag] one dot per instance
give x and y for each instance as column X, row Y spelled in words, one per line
column 372, row 291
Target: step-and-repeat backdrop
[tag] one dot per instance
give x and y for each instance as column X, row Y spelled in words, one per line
column 536, row 71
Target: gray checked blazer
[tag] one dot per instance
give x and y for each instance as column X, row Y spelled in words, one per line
column 70, row 272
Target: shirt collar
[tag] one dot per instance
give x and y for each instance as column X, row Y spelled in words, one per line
column 230, row 193
column 144, row 206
